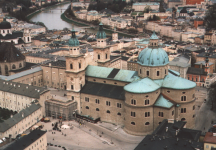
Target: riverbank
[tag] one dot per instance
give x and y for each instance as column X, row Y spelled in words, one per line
column 64, row 18
column 28, row 17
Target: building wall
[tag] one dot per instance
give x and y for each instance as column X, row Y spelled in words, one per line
column 56, row 109
column 40, row 143
column 181, row 70
column 9, row 66
column 111, row 117
column 35, row 79
column 26, row 123
column 193, row 2
column 54, row 77
column 33, row 59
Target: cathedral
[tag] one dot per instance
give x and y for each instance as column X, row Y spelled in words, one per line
column 138, row 99
column 19, row 38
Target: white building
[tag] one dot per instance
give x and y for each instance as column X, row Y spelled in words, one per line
column 140, row 6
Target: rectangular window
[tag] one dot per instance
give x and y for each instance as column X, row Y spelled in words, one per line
column 194, row 107
column 147, row 102
column 97, row 101
column 147, row 73
column 133, row 114
column 72, row 97
column 119, row 105
column 107, row 103
column 183, row 110
column 71, row 87
column 147, row 114
column 183, row 98
column 158, row 73
column 86, row 99
column 160, row 114
column 172, row 112
column 133, row 102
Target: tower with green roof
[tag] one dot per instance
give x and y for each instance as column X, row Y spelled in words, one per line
column 101, row 50
column 75, row 69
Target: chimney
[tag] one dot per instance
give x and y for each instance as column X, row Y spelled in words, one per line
column 50, row 64
column 11, row 116
column 176, row 132
column 166, row 129
column 23, row 115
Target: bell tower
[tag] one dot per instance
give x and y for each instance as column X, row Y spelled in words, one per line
column 75, row 70
column 27, row 35
column 101, row 50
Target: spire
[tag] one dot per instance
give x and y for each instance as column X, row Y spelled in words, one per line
column 154, row 36
column 73, row 33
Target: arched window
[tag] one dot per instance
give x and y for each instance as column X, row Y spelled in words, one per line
column 6, row 70
column 165, row 71
column 108, row 111
column 98, row 56
column 97, row 109
column 133, row 123
column 20, row 65
column 140, row 71
column 147, row 123
column 146, row 102
column 133, row 102
column 106, row 56
column 28, row 39
column 119, row 114
column 87, row 107
column 147, row 73
column 158, row 73
column 183, row 98
column 183, row 119
column 71, row 66
column 79, row 65
column 13, row 66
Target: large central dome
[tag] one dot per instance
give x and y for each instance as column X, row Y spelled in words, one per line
column 153, row 57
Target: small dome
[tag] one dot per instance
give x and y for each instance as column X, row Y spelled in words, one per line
column 153, row 57
column 5, row 25
column 73, row 41
column 101, row 34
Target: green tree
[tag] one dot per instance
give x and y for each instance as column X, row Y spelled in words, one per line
column 161, row 8
column 147, row 9
column 133, row 31
column 210, row 18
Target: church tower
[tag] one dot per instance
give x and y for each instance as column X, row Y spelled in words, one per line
column 101, row 50
column 115, row 35
column 27, row 36
column 75, row 70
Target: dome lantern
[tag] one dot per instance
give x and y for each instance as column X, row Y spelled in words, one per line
column 73, row 41
column 101, row 34
column 153, row 42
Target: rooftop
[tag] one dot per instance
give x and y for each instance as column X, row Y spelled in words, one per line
column 26, row 140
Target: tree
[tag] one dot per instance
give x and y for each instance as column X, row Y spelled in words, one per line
column 210, row 18
column 212, row 94
column 161, row 8
column 147, row 9
column 153, row 18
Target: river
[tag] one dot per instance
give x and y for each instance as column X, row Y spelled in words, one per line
column 52, row 18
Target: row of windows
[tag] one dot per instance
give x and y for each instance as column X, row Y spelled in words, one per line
column 147, row 72
column 71, row 66
column 99, row 56
column 133, row 102
column 147, row 123
column 97, row 109
column 97, row 101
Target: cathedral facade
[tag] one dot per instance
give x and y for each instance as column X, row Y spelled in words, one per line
column 138, row 100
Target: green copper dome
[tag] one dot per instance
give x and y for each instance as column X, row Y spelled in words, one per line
column 73, row 41
column 101, row 34
column 153, row 57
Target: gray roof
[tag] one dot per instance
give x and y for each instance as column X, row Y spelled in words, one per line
column 181, row 61
column 22, row 89
column 104, row 90
column 203, row 63
column 26, row 140
column 7, row 124
column 21, row 74
column 196, row 71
